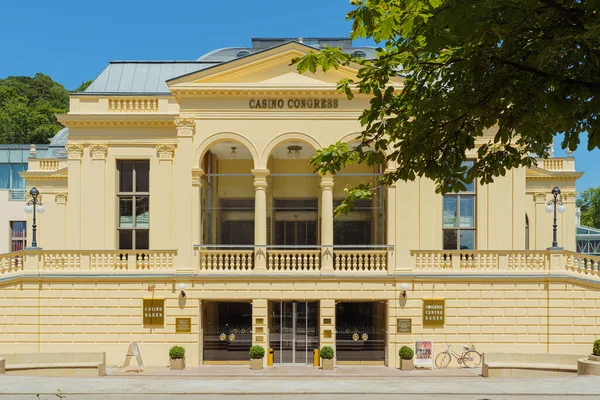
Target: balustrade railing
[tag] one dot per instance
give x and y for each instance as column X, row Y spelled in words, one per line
column 11, row 262
column 64, row 261
column 133, row 105
column 294, row 260
column 360, row 260
column 226, row 260
column 583, row 264
column 49, row 165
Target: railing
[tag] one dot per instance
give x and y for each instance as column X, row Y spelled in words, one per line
column 135, row 105
column 479, row 260
column 553, row 164
column 360, row 260
column 49, row 165
column 583, row 264
column 62, row 261
column 11, row 262
column 293, row 260
column 226, row 260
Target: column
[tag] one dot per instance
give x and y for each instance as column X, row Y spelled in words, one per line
column 260, row 219
column 182, row 195
column 327, row 223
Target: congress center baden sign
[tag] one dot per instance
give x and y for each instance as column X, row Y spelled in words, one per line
column 293, row 103
column 434, row 313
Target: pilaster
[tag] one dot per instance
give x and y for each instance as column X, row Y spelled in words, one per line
column 260, row 317
column 327, row 330
column 260, row 218
column 197, row 212
column 73, row 216
column 327, row 223
column 182, row 195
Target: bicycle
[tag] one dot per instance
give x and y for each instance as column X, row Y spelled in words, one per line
column 470, row 357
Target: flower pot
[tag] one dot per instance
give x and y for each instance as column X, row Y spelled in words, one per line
column 326, row 364
column 177, row 363
column 407, row 365
column 256, row 363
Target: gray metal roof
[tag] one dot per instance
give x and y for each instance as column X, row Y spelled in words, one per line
column 129, row 77
column 149, row 77
column 57, row 148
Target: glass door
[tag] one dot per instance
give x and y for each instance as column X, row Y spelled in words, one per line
column 227, row 331
column 294, row 331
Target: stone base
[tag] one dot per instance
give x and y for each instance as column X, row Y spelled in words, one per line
column 256, row 363
column 407, row 365
column 589, row 366
column 327, row 365
column 177, row 364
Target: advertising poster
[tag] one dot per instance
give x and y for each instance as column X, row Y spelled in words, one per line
column 424, row 354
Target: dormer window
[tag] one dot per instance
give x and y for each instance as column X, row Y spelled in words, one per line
column 359, row 54
column 243, row 53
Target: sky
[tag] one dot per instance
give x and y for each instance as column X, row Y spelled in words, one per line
column 73, row 40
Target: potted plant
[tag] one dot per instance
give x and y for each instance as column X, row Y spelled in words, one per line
column 327, row 358
column 257, row 353
column 596, row 349
column 177, row 356
column 406, row 358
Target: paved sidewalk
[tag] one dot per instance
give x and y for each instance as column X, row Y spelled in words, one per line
column 166, row 388
column 285, row 372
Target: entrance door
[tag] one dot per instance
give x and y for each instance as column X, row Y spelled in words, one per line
column 360, row 332
column 227, row 331
column 294, row 331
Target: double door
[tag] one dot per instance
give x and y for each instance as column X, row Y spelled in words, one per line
column 294, row 331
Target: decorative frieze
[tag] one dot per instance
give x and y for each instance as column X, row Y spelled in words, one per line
column 98, row 151
column 60, row 197
column 165, row 151
column 569, row 196
column 185, row 127
column 75, row 151
column 540, row 197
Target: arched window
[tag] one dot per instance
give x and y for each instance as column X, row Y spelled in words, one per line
column 243, row 53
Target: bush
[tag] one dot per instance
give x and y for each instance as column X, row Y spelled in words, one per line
column 176, row 352
column 406, row 353
column 257, row 352
column 597, row 347
column 327, row 353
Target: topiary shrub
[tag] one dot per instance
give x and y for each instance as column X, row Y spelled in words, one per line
column 176, row 352
column 327, row 353
column 406, row 353
column 257, row 352
column 597, row 347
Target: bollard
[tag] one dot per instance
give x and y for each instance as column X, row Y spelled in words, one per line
column 270, row 358
column 315, row 357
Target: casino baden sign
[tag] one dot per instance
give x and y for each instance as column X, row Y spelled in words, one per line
column 311, row 103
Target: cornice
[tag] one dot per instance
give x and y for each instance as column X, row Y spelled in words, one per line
column 61, row 174
column 131, row 120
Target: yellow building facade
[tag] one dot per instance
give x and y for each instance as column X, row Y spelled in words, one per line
column 187, row 212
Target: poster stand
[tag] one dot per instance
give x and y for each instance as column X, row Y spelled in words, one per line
column 424, row 354
column 134, row 352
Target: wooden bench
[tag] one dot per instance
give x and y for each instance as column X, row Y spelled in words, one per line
column 55, row 364
column 518, row 365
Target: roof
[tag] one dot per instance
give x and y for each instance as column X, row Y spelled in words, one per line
column 149, row 77
column 17, row 153
column 57, row 147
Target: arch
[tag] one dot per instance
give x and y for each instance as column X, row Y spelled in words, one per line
column 224, row 137
column 287, row 137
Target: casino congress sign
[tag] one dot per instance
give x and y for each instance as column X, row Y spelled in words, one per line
column 293, row 103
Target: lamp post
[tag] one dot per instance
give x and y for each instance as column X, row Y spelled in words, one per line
column 34, row 205
column 554, row 205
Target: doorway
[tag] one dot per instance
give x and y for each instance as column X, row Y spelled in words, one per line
column 227, row 331
column 361, row 332
column 294, row 332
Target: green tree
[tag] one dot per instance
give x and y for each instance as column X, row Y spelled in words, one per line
column 83, row 86
column 589, row 202
column 27, row 108
column 525, row 69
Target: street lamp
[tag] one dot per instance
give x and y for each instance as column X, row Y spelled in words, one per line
column 552, row 207
column 34, row 205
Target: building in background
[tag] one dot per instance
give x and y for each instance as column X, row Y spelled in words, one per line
column 187, row 212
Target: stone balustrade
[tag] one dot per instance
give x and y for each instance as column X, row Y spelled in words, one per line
column 46, row 164
column 226, row 260
column 293, row 260
column 11, row 262
column 557, row 163
column 372, row 261
column 479, row 260
column 133, row 105
column 583, row 264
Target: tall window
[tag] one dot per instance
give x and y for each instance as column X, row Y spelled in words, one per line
column 18, row 235
column 134, row 204
column 9, row 176
column 526, row 232
column 459, row 218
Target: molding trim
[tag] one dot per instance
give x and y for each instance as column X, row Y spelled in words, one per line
column 165, row 151
column 75, row 151
column 61, row 197
column 185, row 127
column 98, row 151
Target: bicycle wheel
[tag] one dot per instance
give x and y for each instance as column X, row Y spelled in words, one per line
column 472, row 359
column 443, row 360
